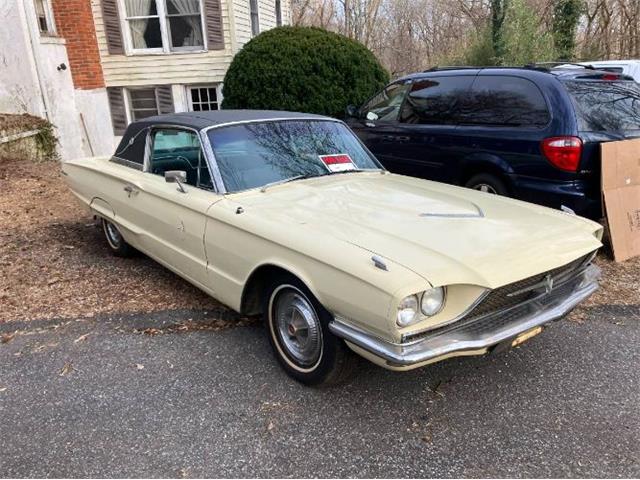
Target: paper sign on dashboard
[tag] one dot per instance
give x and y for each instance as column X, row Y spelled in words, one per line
column 339, row 162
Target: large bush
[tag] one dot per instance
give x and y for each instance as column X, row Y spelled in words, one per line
column 302, row 69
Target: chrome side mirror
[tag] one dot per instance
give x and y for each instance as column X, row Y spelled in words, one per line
column 176, row 176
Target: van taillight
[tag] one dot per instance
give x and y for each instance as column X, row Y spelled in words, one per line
column 563, row 152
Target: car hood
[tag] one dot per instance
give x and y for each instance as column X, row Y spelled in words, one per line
column 444, row 233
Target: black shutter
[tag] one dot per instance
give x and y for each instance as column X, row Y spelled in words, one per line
column 111, row 21
column 165, row 99
column 213, row 20
column 118, row 110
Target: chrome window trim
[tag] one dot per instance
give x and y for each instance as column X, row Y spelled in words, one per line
column 126, row 163
column 222, row 189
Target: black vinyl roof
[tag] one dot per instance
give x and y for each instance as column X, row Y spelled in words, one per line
column 200, row 120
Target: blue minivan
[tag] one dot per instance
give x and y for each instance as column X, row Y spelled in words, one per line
column 532, row 133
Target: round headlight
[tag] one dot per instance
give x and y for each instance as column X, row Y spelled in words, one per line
column 432, row 301
column 407, row 311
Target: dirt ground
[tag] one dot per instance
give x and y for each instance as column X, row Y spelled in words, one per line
column 54, row 262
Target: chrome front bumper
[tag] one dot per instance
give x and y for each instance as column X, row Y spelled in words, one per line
column 478, row 334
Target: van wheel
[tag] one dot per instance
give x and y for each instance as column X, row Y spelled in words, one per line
column 298, row 329
column 115, row 240
column 488, row 183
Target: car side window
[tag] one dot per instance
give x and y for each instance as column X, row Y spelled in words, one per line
column 176, row 149
column 435, row 100
column 504, row 101
column 384, row 107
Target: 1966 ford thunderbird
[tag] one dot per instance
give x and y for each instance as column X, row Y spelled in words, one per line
column 289, row 216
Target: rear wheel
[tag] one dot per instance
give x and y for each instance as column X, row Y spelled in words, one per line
column 298, row 329
column 485, row 182
column 115, row 240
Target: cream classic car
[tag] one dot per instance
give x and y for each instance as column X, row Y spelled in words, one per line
column 289, row 216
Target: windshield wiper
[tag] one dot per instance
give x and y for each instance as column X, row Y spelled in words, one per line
column 285, row 180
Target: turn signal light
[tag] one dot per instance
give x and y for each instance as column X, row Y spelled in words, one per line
column 563, row 152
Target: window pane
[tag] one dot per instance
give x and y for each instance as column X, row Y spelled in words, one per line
column 143, row 103
column 183, row 7
column 179, row 150
column 186, row 31
column 385, row 105
column 141, row 8
column 504, row 101
column 435, row 100
column 213, row 97
column 195, row 95
column 606, row 106
column 255, row 154
column 145, row 33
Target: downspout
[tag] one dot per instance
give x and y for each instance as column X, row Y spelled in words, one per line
column 43, row 97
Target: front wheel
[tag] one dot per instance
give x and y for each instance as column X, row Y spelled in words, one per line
column 298, row 329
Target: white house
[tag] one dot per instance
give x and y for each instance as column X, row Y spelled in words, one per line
column 92, row 66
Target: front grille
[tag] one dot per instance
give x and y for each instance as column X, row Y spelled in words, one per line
column 499, row 309
column 499, row 298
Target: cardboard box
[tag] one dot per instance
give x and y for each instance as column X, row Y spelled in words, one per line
column 621, row 195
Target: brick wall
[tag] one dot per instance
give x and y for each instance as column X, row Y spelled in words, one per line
column 74, row 22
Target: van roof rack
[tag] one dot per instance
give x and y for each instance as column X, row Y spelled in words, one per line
column 541, row 65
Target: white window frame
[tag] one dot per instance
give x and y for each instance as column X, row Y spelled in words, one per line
column 209, row 85
column 128, row 102
column 49, row 19
column 164, row 32
column 259, row 20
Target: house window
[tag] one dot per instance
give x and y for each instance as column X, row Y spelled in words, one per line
column 203, row 98
column 44, row 15
column 255, row 17
column 143, row 103
column 278, row 13
column 164, row 25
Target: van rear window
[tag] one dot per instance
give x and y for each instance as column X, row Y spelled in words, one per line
column 606, row 106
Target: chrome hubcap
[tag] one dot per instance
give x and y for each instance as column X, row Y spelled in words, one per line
column 297, row 327
column 113, row 235
column 484, row 187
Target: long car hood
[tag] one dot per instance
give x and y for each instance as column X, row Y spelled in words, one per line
column 445, row 234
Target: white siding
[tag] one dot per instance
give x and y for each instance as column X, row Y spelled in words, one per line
column 203, row 67
column 186, row 68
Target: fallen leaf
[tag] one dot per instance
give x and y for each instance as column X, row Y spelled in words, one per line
column 139, row 366
column 3, row 389
column 66, row 369
column 7, row 337
column 270, row 426
column 81, row 338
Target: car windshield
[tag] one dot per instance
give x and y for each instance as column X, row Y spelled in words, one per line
column 606, row 106
column 257, row 154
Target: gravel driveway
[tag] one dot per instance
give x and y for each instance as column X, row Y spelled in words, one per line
column 101, row 398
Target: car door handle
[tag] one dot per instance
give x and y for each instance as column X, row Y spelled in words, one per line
column 131, row 190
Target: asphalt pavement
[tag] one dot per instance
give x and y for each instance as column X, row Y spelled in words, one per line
column 98, row 398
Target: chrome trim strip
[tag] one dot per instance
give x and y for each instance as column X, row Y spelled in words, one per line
column 480, row 214
column 127, row 163
column 430, row 348
column 264, row 120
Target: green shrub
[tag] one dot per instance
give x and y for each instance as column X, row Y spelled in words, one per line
column 302, row 69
